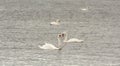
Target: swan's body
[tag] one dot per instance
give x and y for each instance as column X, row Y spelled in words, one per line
column 51, row 46
column 57, row 22
column 48, row 46
column 70, row 40
column 54, row 23
column 73, row 40
column 84, row 9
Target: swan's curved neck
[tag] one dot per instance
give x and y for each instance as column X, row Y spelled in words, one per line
column 59, row 42
column 66, row 37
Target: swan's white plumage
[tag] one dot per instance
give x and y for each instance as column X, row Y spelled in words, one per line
column 51, row 46
column 74, row 40
column 48, row 46
column 84, row 9
column 57, row 22
column 70, row 40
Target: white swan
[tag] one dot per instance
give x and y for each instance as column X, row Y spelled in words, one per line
column 57, row 22
column 51, row 46
column 64, row 34
column 84, row 9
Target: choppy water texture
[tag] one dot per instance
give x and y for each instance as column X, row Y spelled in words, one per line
column 24, row 24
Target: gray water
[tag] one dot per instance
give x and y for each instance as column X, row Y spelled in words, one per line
column 24, row 24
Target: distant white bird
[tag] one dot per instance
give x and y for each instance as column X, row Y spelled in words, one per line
column 84, row 9
column 51, row 46
column 57, row 22
column 64, row 34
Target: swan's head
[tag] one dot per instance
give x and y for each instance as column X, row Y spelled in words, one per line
column 60, row 36
column 64, row 33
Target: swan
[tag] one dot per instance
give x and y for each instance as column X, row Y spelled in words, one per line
column 84, row 9
column 57, row 22
column 64, row 34
column 51, row 46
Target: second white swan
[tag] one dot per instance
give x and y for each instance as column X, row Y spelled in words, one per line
column 57, row 22
column 64, row 34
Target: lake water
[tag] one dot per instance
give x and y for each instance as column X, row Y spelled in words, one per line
column 25, row 24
